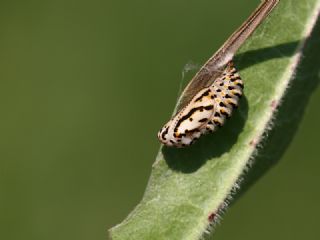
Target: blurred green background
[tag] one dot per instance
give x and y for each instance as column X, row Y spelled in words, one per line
column 85, row 85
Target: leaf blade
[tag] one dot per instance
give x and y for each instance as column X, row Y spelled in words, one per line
column 187, row 185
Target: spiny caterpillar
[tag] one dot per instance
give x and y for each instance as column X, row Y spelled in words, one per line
column 210, row 97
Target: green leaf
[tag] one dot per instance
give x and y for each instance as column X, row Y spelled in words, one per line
column 189, row 188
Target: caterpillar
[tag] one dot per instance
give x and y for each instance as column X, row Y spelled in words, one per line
column 213, row 93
